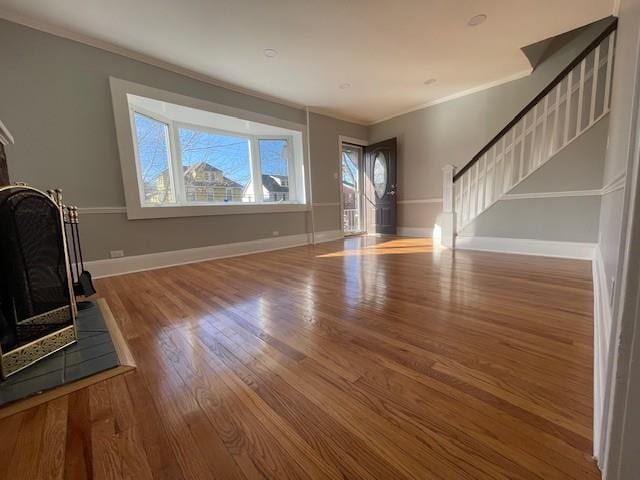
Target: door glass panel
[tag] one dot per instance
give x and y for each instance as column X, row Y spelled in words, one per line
column 351, row 191
column 380, row 175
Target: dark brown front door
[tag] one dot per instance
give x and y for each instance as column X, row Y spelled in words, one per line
column 380, row 187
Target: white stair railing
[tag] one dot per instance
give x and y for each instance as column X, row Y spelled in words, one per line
column 577, row 99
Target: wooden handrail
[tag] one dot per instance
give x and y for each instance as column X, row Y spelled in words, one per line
column 608, row 31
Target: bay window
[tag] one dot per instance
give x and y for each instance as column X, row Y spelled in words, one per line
column 179, row 160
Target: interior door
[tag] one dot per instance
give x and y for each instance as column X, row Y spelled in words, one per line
column 380, row 187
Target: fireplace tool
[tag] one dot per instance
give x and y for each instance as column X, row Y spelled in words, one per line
column 82, row 281
column 37, row 302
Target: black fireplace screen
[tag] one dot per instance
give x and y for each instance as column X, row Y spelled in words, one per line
column 36, row 302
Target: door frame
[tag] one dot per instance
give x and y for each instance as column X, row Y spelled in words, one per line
column 356, row 142
column 369, row 164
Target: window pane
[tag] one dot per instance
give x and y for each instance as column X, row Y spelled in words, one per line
column 274, row 167
column 153, row 155
column 380, row 175
column 217, row 167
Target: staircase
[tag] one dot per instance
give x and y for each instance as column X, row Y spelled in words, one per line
column 571, row 104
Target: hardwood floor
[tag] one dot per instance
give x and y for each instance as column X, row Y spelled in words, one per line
column 364, row 359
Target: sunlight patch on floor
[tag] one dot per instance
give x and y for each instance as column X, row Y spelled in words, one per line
column 400, row 246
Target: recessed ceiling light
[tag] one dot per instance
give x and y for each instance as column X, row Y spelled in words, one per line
column 344, row 86
column 477, row 20
column 270, row 52
column 430, row 81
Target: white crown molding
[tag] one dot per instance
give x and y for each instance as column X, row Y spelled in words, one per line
column 523, row 246
column 152, row 261
column 420, row 201
column 335, row 116
column 454, row 96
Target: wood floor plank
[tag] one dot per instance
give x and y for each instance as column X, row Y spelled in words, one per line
column 368, row 358
column 9, row 430
column 51, row 462
column 79, row 451
column 28, row 447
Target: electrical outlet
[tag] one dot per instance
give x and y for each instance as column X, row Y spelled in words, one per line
column 116, row 253
column 275, row 233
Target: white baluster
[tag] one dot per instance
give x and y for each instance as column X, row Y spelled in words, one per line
column 459, row 203
column 512, row 156
column 594, row 85
column 567, row 108
column 491, row 158
column 542, row 155
column 499, row 180
column 468, row 175
column 556, row 117
column 448, row 220
column 583, row 67
column 522, row 144
column 472, row 203
column 607, row 86
column 485, row 174
column 532, row 158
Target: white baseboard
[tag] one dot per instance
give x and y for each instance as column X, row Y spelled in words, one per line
column 524, row 246
column 152, row 261
column 602, row 322
column 329, row 236
column 415, row 232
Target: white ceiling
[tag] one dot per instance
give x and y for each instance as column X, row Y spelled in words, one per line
column 385, row 49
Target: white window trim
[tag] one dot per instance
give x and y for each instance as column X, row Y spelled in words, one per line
column 127, row 149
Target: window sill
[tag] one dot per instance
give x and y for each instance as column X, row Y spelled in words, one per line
column 138, row 213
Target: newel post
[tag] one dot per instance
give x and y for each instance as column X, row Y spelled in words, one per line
column 448, row 218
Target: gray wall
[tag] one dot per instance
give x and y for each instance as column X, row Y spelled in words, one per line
column 452, row 132
column 55, row 99
column 568, row 219
column 579, row 166
column 325, row 148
